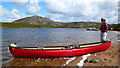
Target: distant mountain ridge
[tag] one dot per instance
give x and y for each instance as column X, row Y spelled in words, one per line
column 42, row 22
column 38, row 20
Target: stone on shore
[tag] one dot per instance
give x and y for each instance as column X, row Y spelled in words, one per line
column 95, row 60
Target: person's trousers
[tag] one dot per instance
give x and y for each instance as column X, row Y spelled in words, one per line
column 103, row 36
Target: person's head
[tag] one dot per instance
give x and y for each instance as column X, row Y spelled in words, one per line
column 103, row 20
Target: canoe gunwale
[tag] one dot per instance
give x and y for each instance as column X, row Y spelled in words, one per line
column 30, row 53
column 62, row 47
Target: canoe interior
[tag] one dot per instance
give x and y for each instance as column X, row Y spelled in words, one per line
column 62, row 47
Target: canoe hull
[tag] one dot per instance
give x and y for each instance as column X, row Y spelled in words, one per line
column 16, row 52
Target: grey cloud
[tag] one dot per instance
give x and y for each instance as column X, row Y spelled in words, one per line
column 87, row 11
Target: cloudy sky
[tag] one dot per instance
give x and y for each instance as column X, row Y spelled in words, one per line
column 60, row 10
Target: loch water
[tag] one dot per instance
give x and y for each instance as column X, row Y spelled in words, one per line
column 35, row 37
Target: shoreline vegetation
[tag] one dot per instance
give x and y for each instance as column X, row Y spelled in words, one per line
column 112, row 27
column 42, row 22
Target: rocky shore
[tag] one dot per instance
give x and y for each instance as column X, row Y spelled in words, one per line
column 108, row 58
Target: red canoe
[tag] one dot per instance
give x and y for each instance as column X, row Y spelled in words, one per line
column 59, row 51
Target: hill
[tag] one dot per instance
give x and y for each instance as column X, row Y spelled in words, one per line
column 81, row 25
column 42, row 22
column 37, row 20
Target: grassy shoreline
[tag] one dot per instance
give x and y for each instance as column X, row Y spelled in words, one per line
column 23, row 25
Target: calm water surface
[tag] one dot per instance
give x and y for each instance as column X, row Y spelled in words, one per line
column 45, row 37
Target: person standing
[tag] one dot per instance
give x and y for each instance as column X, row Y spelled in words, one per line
column 104, row 30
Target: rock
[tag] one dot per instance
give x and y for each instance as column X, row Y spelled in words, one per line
column 110, row 61
column 116, row 53
column 95, row 60
column 86, row 61
column 105, row 59
column 94, row 55
column 112, row 56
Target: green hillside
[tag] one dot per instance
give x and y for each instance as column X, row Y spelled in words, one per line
column 21, row 25
column 42, row 22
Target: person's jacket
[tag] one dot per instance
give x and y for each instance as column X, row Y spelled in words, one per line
column 104, row 27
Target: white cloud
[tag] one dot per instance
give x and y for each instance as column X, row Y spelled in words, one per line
column 114, row 19
column 6, row 20
column 64, row 0
column 63, row 18
column 21, row 0
column 14, row 14
column 0, row 20
column 8, row 16
column 3, row 12
column 33, row 7
column 85, row 0
column 68, row 10
column 82, row 10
